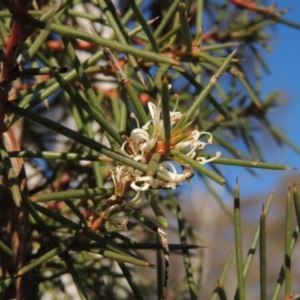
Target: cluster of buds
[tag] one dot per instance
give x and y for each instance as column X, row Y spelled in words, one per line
column 149, row 140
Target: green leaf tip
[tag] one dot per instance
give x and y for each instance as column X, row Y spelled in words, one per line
column 263, row 213
column 236, row 190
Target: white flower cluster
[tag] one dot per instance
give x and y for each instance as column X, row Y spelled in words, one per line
column 141, row 146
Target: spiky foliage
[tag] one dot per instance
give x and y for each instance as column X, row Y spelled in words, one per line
column 113, row 104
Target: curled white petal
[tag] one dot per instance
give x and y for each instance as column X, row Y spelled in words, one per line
column 209, row 141
column 147, row 146
column 140, row 158
column 203, row 161
column 123, row 147
column 194, row 136
column 182, row 145
column 119, row 171
column 174, row 176
column 113, row 178
column 153, row 110
column 142, row 188
column 195, row 146
column 169, row 185
column 139, row 135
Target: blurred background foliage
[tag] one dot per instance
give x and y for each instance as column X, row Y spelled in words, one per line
column 56, row 76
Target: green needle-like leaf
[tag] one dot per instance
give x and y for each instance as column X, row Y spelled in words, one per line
column 128, row 86
column 82, row 139
column 198, row 167
column 185, row 28
column 281, row 275
column 185, row 253
column 80, row 78
column 139, row 15
column 158, row 79
column 3, row 36
column 263, row 256
column 5, row 249
column 246, row 163
column 254, row 244
column 113, row 19
column 93, row 110
column 11, row 176
column 166, row 110
column 221, row 292
column 73, row 194
column 153, row 164
column 223, row 275
column 59, row 155
column 42, row 259
column 238, row 243
column 160, row 271
column 91, row 235
column 173, row 247
column 167, row 18
column 297, row 203
column 37, row 262
column 162, row 220
column 41, row 71
column 288, row 238
column 144, row 220
column 125, row 258
column 76, row 279
column 205, row 92
column 71, row 32
column 130, row 281
column 283, row 137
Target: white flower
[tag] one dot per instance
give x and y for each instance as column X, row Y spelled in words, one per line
column 140, row 146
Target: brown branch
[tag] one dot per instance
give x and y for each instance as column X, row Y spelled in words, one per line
column 19, row 11
column 252, row 6
column 15, row 219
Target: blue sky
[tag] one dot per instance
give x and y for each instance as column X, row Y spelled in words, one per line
column 284, row 63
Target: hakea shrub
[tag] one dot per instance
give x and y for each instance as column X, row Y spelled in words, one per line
column 49, row 238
